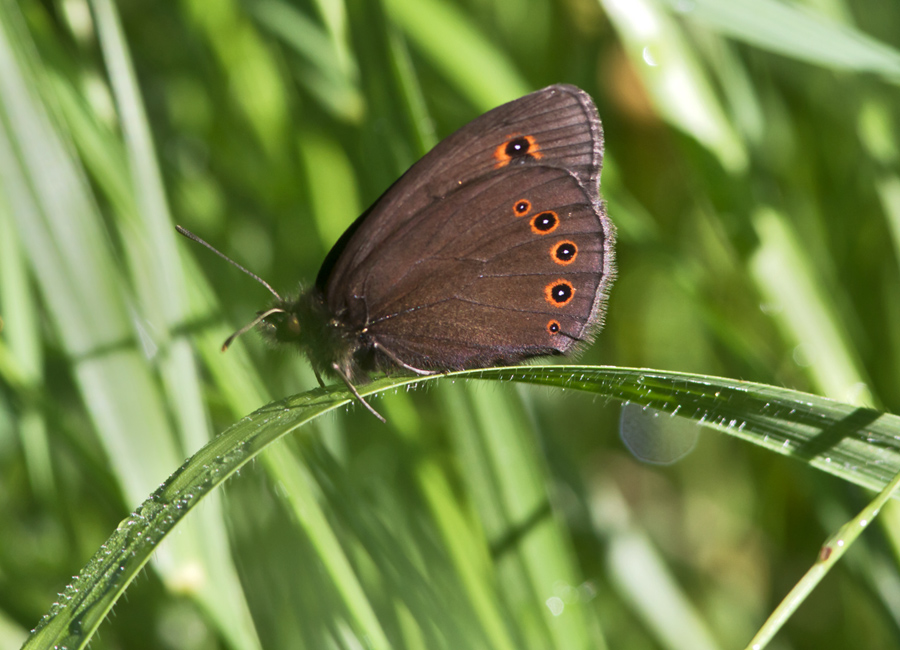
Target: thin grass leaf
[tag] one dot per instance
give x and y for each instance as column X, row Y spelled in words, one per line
column 11, row 635
column 855, row 443
column 17, row 304
column 150, row 250
column 61, row 233
column 325, row 541
column 832, row 551
column 464, row 543
column 254, row 80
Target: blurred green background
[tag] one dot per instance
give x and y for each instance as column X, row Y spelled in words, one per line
column 751, row 168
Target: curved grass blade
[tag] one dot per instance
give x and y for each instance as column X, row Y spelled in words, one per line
column 857, row 444
column 860, row 445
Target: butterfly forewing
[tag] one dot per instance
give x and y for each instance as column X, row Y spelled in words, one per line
column 554, row 127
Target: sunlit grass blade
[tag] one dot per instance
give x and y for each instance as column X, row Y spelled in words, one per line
column 801, row 305
column 794, row 30
column 11, row 635
column 326, row 69
column 296, row 486
column 638, row 569
column 463, row 539
column 254, row 79
column 149, row 244
column 659, row 52
column 877, row 133
column 468, row 59
column 62, row 235
column 20, row 328
column 859, row 445
column 507, row 477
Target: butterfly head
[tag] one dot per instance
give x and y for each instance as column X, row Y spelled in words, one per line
column 305, row 322
column 280, row 323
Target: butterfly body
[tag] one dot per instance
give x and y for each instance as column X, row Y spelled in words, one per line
column 494, row 248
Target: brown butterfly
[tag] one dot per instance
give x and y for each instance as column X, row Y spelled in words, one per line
column 495, row 247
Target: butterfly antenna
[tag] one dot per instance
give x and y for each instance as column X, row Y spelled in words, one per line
column 249, row 326
column 187, row 233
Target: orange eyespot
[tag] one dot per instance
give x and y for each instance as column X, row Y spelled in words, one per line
column 553, row 327
column 517, row 147
column 559, row 293
column 564, row 252
column 544, row 222
column 522, row 207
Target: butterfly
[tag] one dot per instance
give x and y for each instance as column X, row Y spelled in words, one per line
column 494, row 248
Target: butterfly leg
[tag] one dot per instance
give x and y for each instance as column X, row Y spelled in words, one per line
column 319, row 378
column 356, row 394
column 393, row 357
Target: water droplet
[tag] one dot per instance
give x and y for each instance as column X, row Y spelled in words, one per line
column 587, row 591
column 801, row 356
column 556, row 605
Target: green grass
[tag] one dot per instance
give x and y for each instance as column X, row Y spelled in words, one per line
column 752, row 171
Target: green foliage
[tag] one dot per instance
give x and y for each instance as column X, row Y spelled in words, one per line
column 752, row 171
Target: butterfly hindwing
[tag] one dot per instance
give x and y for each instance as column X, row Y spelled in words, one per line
column 488, row 257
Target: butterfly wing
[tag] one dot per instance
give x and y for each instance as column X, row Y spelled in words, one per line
column 512, row 265
column 557, row 126
column 460, row 263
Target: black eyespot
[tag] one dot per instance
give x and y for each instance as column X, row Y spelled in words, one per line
column 553, row 327
column 559, row 293
column 544, row 222
column 522, row 207
column 517, row 147
column 564, row 252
